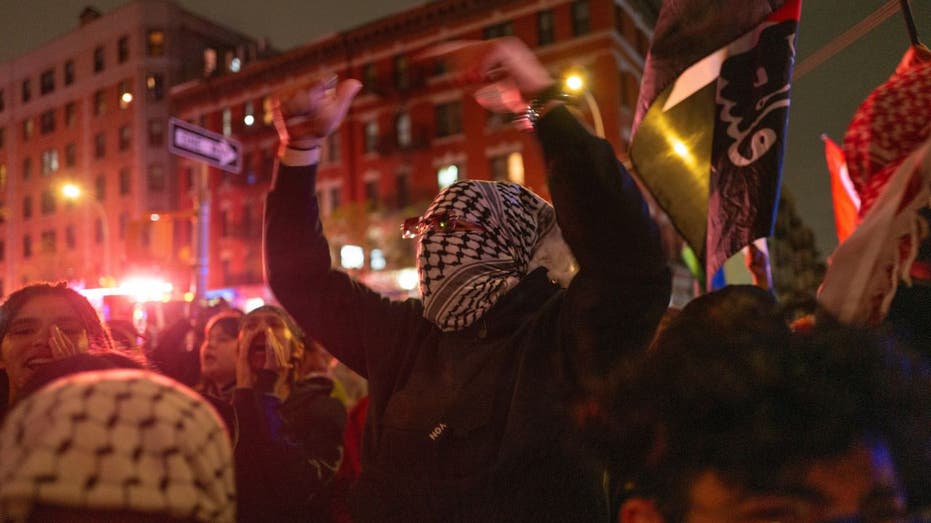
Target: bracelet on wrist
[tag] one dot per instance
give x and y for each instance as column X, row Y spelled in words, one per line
column 527, row 121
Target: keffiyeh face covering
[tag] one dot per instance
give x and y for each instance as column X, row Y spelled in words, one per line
column 118, row 440
column 465, row 270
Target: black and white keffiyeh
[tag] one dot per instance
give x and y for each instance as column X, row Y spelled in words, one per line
column 463, row 273
column 117, row 440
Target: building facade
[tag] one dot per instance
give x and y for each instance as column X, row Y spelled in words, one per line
column 412, row 130
column 90, row 108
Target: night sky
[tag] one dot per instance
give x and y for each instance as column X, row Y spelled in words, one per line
column 823, row 100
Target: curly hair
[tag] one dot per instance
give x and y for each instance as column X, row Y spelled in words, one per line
column 98, row 336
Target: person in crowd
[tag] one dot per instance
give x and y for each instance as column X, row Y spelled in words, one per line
column 126, row 336
column 734, row 418
column 470, row 386
column 288, row 429
column 218, row 357
column 43, row 322
column 121, row 445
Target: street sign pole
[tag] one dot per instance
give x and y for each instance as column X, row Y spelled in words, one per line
column 210, row 148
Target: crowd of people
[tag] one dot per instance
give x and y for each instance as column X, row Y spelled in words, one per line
column 540, row 377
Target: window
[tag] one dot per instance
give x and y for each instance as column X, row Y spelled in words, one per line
column 156, row 131
column 48, row 202
column 402, row 126
column 100, row 187
column 100, row 145
column 47, row 241
column 2, row 101
column 27, row 246
column 155, row 90
column 210, row 61
column 155, row 43
column 333, row 147
column 498, row 30
column 156, row 178
column 2, row 182
column 370, row 77
column 402, row 189
column 125, row 181
column 507, row 167
column 99, row 61
column 2, row 250
column 227, row 117
column 546, row 33
column 27, row 90
column 69, row 72
column 402, row 80
column 2, row 137
column 49, row 162
column 447, row 175
column 27, row 207
column 122, row 49
column 71, row 155
column 28, row 128
column 47, row 81
column 126, row 137
column 371, row 192
column 47, row 122
column 371, row 136
column 335, row 197
column 267, row 115
column 581, row 23
column 70, row 237
column 98, row 231
column 448, row 119
column 27, row 168
column 100, row 102
column 70, row 112
column 124, row 93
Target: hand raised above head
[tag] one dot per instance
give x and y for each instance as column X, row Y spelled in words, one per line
column 508, row 71
column 306, row 116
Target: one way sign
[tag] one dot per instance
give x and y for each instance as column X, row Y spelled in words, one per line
column 197, row 143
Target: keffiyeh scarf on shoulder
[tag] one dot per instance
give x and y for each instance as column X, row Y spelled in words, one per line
column 463, row 273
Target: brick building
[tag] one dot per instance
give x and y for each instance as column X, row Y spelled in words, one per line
column 411, row 131
column 90, row 108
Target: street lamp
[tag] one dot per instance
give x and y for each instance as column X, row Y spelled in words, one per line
column 575, row 83
column 73, row 192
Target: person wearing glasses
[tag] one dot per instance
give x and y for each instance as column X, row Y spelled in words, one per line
column 474, row 386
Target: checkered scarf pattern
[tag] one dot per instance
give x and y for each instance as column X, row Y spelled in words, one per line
column 464, row 273
column 117, row 440
column 889, row 125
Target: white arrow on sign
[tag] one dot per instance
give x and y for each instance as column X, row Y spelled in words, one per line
column 201, row 144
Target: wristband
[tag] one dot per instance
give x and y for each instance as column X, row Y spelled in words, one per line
column 527, row 121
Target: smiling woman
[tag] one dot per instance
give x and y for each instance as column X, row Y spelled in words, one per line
column 45, row 322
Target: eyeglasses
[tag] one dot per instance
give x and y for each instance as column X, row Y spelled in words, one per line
column 441, row 222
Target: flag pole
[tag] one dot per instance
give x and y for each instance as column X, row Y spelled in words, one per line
column 910, row 22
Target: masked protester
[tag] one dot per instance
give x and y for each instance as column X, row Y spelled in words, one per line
column 471, row 386
column 288, row 431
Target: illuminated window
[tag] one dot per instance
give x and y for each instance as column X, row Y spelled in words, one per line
column 267, row 115
column 402, row 126
column 154, row 85
column 124, row 93
column 49, row 162
column 155, row 43
column 447, row 175
column 210, row 61
column 28, row 128
column 227, row 122
column 371, row 136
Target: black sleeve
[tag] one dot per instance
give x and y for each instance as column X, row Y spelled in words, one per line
column 363, row 329
column 614, row 303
